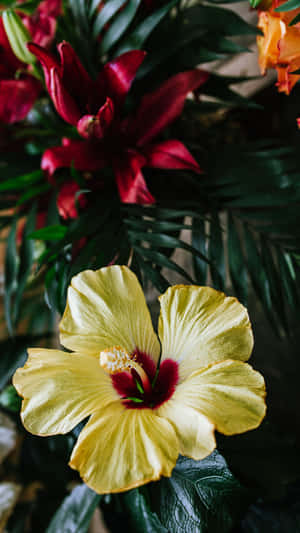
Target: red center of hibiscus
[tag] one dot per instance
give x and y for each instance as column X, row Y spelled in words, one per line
column 162, row 383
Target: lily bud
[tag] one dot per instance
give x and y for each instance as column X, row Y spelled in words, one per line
column 18, row 36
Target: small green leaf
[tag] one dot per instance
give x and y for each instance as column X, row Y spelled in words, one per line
column 50, row 233
column 75, row 513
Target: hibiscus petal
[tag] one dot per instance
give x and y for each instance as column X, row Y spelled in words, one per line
column 230, row 393
column 194, row 431
column 120, row 449
column 17, row 98
column 61, row 389
column 117, row 75
column 82, row 154
column 159, row 108
column 130, row 180
column 107, row 308
column 170, row 154
column 199, row 326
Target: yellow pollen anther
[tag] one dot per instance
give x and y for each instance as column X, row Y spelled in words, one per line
column 116, row 359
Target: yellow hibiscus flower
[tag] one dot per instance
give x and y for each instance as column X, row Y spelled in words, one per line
column 148, row 400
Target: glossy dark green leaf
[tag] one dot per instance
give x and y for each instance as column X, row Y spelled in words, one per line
column 142, row 519
column 237, row 263
column 75, row 513
column 136, row 39
column 200, row 496
column 120, row 24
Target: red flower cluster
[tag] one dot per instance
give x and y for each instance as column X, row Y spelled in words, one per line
column 18, row 89
column 95, row 109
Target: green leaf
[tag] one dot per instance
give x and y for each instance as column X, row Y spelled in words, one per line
column 199, row 242
column 9, row 399
column 141, row 33
column 216, row 253
column 106, row 13
column 21, row 182
column 119, row 25
column 142, row 519
column 288, row 6
column 50, row 233
column 295, row 20
column 75, row 513
column 10, row 275
column 200, row 496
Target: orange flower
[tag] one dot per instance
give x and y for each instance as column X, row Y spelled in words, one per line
column 279, row 46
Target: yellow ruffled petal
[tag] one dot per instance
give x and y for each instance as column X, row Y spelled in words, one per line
column 61, row 389
column 230, row 394
column 199, row 326
column 107, row 308
column 120, row 449
column 194, row 431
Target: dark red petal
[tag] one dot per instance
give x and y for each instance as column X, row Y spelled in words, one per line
column 90, row 126
column 74, row 76
column 82, row 154
column 63, row 101
column 170, row 154
column 117, row 76
column 159, row 108
column 130, row 180
column 17, row 98
column 68, row 200
column 47, row 60
column 167, row 380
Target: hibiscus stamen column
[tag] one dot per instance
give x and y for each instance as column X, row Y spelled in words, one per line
column 115, row 360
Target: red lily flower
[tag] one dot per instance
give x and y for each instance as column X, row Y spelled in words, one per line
column 17, row 95
column 94, row 108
